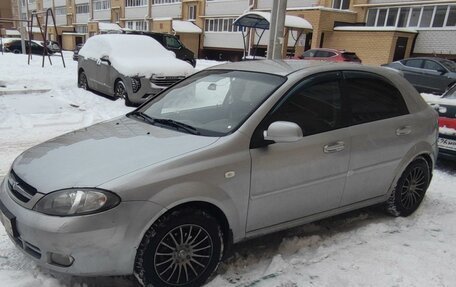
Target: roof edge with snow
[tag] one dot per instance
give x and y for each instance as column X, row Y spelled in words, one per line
column 261, row 20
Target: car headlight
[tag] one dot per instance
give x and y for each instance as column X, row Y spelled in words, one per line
column 77, row 201
column 135, row 84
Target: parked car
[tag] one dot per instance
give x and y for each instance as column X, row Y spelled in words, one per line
column 76, row 51
column 131, row 67
column 446, row 107
column 427, row 74
column 52, row 46
column 331, row 55
column 233, row 152
column 16, row 47
column 171, row 43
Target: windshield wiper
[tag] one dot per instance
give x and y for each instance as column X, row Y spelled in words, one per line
column 176, row 124
column 142, row 116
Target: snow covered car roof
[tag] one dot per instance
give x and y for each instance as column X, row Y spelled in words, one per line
column 135, row 55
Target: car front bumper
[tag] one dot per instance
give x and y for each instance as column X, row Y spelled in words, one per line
column 99, row 244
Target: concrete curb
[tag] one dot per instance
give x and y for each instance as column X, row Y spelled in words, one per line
column 23, row 91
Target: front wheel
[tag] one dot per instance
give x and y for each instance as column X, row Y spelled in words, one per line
column 120, row 91
column 410, row 189
column 181, row 249
column 82, row 81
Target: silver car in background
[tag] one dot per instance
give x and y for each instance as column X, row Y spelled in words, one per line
column 233, row 152
column 130, row 67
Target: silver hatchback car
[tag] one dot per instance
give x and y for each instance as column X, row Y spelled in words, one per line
column 230, row 153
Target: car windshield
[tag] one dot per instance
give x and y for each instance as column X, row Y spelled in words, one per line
column 451, row 66
column 211, row 103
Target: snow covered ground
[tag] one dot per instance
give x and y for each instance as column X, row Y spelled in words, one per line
column 361, row 248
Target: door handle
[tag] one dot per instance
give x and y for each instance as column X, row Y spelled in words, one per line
column 334, row 147
column 403, row 131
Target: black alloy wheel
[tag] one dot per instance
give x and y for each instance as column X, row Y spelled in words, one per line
column 181, row 249
column 410, row 189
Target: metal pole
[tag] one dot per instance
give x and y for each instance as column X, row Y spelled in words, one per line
column 272, row 29
column 279, row 30
column 21, row 27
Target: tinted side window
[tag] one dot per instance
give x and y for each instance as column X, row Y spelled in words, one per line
column 431, row 65
column 414, row 63
column 372, row 98
column 309, row 53
column 315, row 105
column 172, row 43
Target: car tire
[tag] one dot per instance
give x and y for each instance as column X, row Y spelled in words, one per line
column 410, row 189
column 82, row 81
column 16, row 51
column 182, row 248
column 120, row 92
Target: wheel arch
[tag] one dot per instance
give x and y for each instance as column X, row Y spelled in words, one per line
column 421, row 150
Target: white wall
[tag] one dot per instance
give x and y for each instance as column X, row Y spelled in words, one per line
column 226, row 7
column 102, row 15
column 135, row 12
column 267, row 4
column 436, row 41
column 390, row 1
column 82, row 18
column 167, row 10
column 79, row 1
column 231, row 40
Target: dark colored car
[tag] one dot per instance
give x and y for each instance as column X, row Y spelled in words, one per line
column 427, row 74
column 446, row 107
column 172, row 43
column 52, row 46
column 331, row 55
column 76, row 51
column 16, row 48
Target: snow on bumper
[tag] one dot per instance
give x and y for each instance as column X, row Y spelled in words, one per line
column 100, row 244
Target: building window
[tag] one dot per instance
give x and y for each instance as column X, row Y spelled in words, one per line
column 101, row 5
column 431, row 16
column 82, row 29
column 60, row 10
column 166, row 1
column 82, row 9
column 341, row 4
column 135, row 3
column 192, row 12
column 137, row 25
column 221, row 25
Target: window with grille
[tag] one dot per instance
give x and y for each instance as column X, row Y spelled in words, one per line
column 82, row 9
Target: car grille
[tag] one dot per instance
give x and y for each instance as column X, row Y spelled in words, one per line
column 19, row 188
column 165, row 81
column 28, row 247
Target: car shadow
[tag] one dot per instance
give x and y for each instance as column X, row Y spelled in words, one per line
column 446, row 165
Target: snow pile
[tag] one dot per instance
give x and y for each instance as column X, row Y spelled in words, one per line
column 447, row 131
column 180, row 26
column 135, row 55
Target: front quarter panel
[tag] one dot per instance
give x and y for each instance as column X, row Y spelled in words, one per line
column 218, row 174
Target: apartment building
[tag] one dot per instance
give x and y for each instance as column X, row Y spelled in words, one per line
column 6, row 11
column 379, row 31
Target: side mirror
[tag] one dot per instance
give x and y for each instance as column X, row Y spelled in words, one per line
column 105, row 59
column 283, row 132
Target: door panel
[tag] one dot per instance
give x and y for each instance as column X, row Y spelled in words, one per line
column 293, row 180
column 380, row 135
column 297, row 179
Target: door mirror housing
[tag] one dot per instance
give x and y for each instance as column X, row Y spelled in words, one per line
column 105, row 59
column 283, row 132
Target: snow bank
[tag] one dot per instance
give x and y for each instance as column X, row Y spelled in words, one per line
column 447, row 131
column 135, row 55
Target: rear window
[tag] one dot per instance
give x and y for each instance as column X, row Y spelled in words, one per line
column 350, row 56
column 414, row 63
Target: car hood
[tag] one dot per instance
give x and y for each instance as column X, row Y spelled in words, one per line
column 146, row 67
column 92, row 156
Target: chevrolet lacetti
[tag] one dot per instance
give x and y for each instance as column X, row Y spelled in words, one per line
column 233, row 152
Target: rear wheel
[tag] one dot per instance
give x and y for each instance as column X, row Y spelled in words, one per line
column 82, row 81
column 17, row 51
column 181, row 249
column 410, row 189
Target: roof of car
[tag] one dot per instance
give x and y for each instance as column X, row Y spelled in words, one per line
column 426, row 58
column 278, row 67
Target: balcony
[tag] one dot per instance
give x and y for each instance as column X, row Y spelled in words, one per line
column 136, row 12
column 167, row 10
column 226, row 7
